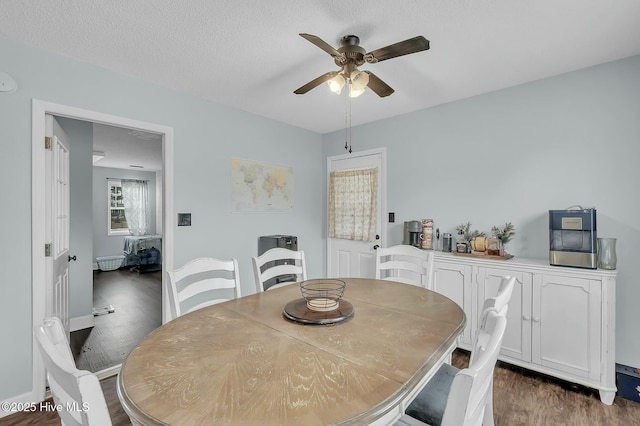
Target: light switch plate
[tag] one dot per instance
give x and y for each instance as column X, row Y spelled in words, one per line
column 184, row 219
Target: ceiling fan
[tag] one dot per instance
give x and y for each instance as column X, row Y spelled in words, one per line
column 350, row 55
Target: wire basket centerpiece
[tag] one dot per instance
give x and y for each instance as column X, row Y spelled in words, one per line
column 322, row 294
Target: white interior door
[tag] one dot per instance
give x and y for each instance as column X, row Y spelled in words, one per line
column 348, row 258
column 57, row 221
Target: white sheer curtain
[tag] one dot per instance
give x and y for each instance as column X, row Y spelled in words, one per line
column 353, row 204
column 135, row 197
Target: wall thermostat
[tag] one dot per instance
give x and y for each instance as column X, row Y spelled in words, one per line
column 7, row 83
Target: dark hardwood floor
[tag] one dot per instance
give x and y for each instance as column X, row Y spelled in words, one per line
column 520, row 398
column 137, row 301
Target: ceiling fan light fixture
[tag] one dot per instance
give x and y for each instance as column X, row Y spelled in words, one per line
column 359, row 80
column 354, row 92
column 336, row 84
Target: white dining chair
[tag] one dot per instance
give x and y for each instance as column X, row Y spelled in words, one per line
column 499, row 302
column 405, row 263
column 77, row 394
column 202, row 282
column 278, row 267
column 456, row 397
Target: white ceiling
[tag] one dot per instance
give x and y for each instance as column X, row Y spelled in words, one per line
column 248, row 54
column 127, row 149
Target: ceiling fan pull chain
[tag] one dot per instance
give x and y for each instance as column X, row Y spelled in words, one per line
column 349, row 102
column 346, row 122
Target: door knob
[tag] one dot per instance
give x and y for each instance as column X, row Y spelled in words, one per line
column 72, row 258
column 376, row 247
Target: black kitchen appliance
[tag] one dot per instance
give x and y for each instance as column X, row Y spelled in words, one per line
column 573, row 237
column 412, row 233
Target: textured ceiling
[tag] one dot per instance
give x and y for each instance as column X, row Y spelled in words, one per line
column 127, row 149
column 248, row 55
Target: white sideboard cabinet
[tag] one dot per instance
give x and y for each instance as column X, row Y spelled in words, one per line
column 560, row 321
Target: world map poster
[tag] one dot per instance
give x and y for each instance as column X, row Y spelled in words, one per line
column 260, row 187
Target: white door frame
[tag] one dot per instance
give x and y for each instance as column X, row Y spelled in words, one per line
column 382, row 152
column 38, row 211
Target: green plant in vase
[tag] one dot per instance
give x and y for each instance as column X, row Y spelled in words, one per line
column 464, row 229
column 504, row 234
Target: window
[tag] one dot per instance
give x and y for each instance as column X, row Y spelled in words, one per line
column 116, row 219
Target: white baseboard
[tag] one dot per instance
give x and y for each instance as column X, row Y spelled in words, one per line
column 80, row 323
column 108, row 372
column 16, row 404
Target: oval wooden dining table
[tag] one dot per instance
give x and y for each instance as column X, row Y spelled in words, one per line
column 243, row 363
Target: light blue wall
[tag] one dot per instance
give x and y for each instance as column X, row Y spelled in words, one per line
column 206, row 136
column 514, row 154
column 108, row 245
column 80, row 135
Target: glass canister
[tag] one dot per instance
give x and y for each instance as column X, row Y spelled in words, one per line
column 607, row 253
column 446, row 242
column 494, row 247
column 461, row 243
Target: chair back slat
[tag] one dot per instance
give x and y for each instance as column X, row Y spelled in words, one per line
column 279, row 270
column 203, row 265
column 278, row 262
column 204, row 285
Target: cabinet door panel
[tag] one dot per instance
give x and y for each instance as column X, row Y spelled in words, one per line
column 454, row 281
column 517, row 338
column 566, row 324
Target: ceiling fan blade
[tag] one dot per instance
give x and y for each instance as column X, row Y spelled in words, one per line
column 412, row 45
column 321, row 44
column 381, row 88
column 315, row 82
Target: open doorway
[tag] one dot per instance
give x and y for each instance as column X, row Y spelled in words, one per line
column 115, row 296
column 41, row 271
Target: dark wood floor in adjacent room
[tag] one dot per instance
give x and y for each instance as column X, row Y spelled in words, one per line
column 137, row 301
column 521, row 398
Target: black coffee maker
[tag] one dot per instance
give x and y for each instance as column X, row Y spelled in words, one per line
column 412, row 233
column 572, row 237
